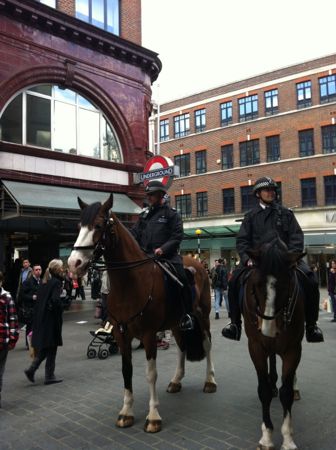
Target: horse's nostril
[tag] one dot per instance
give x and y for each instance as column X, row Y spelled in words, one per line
column 78, row 263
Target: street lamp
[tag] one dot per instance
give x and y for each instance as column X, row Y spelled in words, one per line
column 198, row 234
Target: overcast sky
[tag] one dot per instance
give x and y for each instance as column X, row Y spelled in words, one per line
column 208, row 43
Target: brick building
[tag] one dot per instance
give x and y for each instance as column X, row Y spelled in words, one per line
column 75, row 97
column 281, row 124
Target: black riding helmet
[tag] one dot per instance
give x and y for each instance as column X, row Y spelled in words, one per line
column 264, row 183
column 155, row 186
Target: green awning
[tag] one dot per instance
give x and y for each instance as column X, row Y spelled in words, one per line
column 29, row 199
column 212, row 231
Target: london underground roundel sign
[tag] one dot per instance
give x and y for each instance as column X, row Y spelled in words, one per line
column 158, row 168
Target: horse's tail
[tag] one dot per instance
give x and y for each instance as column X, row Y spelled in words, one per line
column 193, row 342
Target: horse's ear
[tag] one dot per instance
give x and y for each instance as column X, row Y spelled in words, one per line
column 82, row 204
column 109, row 203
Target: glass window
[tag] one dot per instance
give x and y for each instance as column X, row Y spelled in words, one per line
column 248, row 199
column 249, row 153
column 306, row 142
column 304, row 94
column 181, row 125
column 164, row 130
column 183, row 162
column 329, row 139
column 308, row 192
column 59, row 119
column 38, row 121
column 200, row 120
column 327, row 89
column 100, row 13
column 227, row 156
column 183, row 205
column 273, row 148
column 330, row 190
column 201, row 164
column 11, row 122
column 202, row 203
column 228, row 201
column 226, row 113
column 271, row 102
column 51, row 3
column 248, row 108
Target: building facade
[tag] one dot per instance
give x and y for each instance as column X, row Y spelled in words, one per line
column 75, row 97
column 280, row 124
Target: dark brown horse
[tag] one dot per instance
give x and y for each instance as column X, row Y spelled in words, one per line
column 138, row 304
column 274, row 324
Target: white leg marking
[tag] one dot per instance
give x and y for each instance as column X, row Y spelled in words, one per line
column 180, row 368
column 287, row 433
column 127, row 409
column 266, row 438
column 210, row 370
column 151, row 374
column 268, row 327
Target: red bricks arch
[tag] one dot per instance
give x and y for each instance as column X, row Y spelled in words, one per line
column 68, row 77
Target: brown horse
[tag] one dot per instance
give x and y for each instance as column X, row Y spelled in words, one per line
column 139, row 305
column 274, row 324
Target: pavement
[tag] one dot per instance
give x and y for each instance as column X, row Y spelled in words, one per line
column 80, row 412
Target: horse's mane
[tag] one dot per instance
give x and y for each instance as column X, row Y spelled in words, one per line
column 273, row 256
column 89, row 213
column 126, row 230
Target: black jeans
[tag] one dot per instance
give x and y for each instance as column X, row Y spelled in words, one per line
column 48, row 354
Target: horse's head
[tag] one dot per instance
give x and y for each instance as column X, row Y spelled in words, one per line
column 272, row 281
column 93, row 223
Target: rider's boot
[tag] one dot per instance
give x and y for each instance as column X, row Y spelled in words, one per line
column 312, row 303
column 186, row 322
column 233, row 329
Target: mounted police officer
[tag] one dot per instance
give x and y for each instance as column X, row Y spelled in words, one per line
column 159, row 232
column 271, row 216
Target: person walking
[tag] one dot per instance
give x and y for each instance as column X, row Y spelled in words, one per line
column 270, row 217
column 29, row 296
column 332, row 287
column 9, row 327
column 218, row 283
column 47, row 322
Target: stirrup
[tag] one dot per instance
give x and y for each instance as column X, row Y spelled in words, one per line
column 232, row 331
column 186, row 323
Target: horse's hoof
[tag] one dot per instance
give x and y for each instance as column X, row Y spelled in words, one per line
column 153, row 426
column 125, row 421
column 297, row 395
column 275, row 392
column 174, row 387
column 209, row 388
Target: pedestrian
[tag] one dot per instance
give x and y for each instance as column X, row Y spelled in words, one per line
column 271, row 217
column 78, row 285
column 47, row 322
column 24, row 275
column 332, row 287
column 219, row 284
column 9, row 327
column 29, row 296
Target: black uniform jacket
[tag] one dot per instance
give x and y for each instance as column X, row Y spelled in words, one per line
column 48, row 320
column 160, row 227
column 258, row 222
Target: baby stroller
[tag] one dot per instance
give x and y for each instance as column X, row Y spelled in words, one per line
column 102, row 343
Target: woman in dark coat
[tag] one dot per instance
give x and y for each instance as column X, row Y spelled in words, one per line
column 47, row 322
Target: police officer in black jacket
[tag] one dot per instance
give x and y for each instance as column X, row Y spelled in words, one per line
column 270, row 216
column 159, row 232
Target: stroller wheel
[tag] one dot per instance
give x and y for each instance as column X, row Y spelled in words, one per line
column 91, row 353
column 113, row 348
column 103, row 353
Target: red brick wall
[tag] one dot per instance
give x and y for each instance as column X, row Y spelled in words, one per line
column 66, row 6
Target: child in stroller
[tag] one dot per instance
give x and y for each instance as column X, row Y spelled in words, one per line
column 103, row 340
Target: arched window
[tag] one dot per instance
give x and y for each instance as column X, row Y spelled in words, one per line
column 59, row 119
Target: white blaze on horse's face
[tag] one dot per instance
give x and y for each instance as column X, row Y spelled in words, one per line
column 268, row 327
column 79, row 259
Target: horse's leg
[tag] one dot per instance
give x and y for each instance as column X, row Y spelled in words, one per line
column 259, row 359
column 126, row 416
column 297, row 395
column 273, row 375
column 210, row 384
column 175, row 383
column 153, row 422
column 290, row 363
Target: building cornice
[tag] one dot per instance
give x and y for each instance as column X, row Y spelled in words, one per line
column 72, row 29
